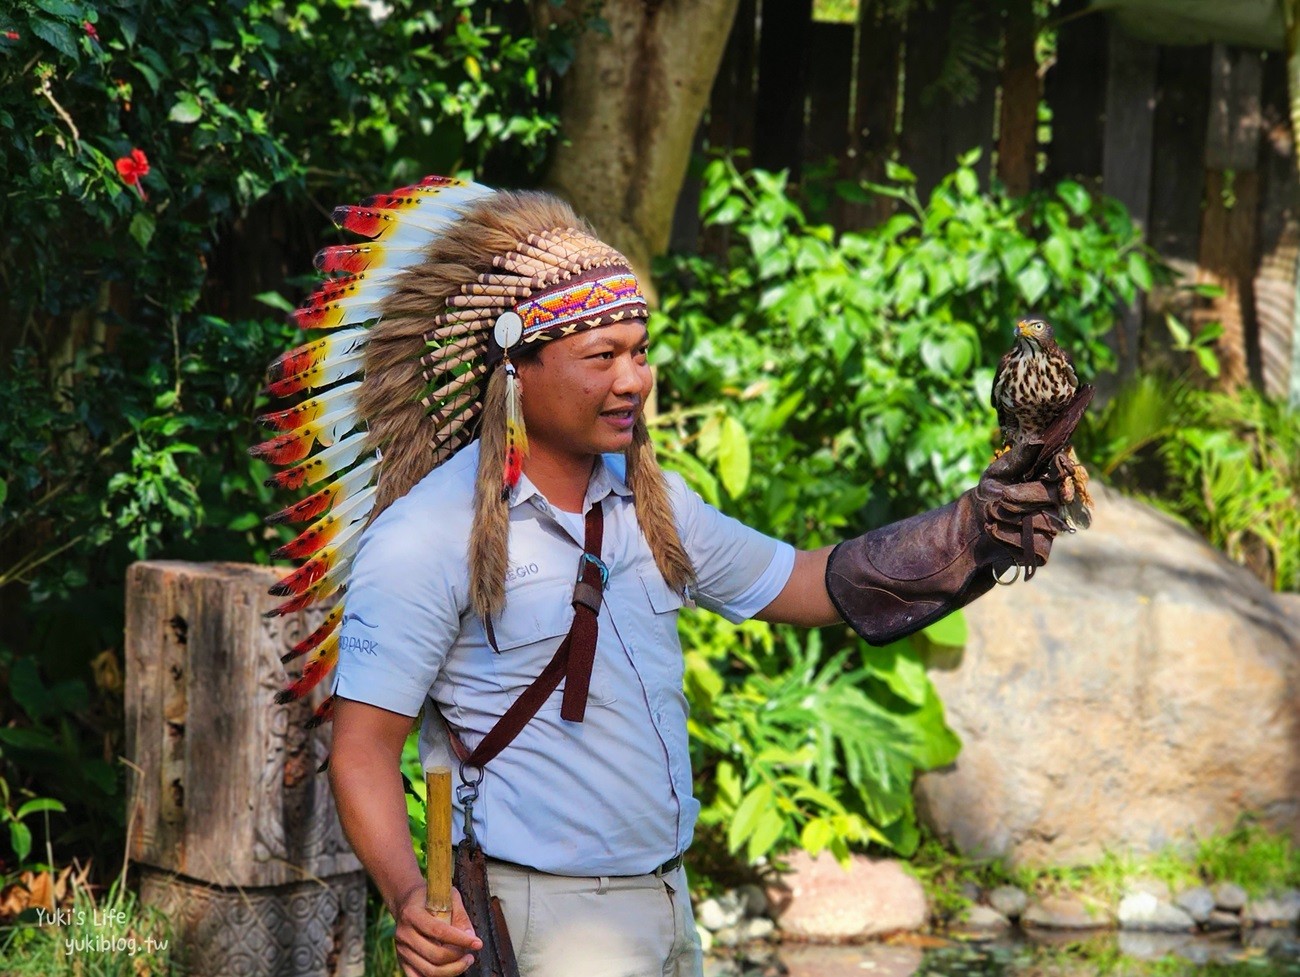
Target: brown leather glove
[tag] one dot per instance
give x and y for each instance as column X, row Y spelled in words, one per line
column 899, row 578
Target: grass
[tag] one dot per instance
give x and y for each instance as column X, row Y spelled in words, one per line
column 113, row 936
column 1259, row 860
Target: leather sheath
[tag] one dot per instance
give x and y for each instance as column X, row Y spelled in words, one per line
column 497, row 957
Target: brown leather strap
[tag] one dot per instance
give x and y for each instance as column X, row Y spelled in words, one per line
column 573, row 660
column 587, row 596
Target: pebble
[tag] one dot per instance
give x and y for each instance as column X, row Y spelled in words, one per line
column 758, row 928
column 1278, row 911
column 1197, row 903
column 706, row 938
column 1230, row 897
column 752, row 899
column 727, row 936
column 1146, row 911
column 1221, row 920
column 717, row 913
column 1063, row 912
column 984, row 920
column 1009, row 900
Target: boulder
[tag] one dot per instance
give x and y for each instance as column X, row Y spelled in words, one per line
column 1139, row 690
column 819, row 901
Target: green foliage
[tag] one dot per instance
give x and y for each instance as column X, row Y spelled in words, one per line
column 51, row 740
column 798, row 751
column 815, row 385
column 1262, row 862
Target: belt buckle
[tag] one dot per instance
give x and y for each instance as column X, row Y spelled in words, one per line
column 668, row 867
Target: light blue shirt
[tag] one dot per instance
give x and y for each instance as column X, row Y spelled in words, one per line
column 611, row 795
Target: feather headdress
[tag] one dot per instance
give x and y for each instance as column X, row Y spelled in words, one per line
column 455, row 279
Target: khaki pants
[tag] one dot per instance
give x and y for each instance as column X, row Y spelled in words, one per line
column 562, row 926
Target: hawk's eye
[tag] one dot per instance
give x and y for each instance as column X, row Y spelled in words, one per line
column 1038, row 327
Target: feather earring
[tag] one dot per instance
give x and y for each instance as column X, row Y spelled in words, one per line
column 509, row 328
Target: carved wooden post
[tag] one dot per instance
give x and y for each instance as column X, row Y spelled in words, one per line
column 235, row 833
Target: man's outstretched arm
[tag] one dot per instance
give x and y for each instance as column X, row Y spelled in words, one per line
column 803, row 601
column 366, row 777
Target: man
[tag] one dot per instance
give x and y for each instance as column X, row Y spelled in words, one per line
column 463, row 586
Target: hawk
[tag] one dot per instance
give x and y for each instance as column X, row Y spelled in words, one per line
column 1034, row 385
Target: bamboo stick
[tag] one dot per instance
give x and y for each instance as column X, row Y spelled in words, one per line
column 437, row 850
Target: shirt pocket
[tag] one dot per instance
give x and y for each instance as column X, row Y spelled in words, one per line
column 529, row 633
column 664, row 605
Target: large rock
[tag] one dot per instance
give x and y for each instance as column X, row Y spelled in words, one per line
column 1139, row 689
column 819, row 901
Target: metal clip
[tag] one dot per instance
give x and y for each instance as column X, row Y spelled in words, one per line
column 600, row 565
column 467, row 794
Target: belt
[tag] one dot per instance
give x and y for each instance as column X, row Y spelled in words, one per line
column 667, row 868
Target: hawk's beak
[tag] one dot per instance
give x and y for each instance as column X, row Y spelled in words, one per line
column 1022, row 328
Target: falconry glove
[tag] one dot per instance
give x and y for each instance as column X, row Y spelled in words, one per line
column 897, row 579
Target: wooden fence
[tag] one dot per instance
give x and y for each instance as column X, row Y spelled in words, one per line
column 1194, row 140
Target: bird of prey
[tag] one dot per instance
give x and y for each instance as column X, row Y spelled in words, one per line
column 1034, row 384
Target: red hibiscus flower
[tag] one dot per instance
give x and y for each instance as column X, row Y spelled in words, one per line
column 90, row 29
column 132, row 169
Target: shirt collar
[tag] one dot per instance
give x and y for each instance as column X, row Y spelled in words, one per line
column 608, row 477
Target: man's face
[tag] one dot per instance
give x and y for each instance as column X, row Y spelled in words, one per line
column 582, row 393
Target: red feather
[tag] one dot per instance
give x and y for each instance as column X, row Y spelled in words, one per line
column 324, row 714
column 309, row 508
column 308, row 542
column 361, row 220
column 316, row 637
column 350, row 258
column 304, row 578
column 317, row 667
column 285, row 449
column 333, row 291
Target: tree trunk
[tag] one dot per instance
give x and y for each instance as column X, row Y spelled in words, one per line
column 630, row 105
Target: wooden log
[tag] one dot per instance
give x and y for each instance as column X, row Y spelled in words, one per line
column 228, row 796
column 313, row 928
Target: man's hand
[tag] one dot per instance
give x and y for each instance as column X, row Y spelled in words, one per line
column 428, row 947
